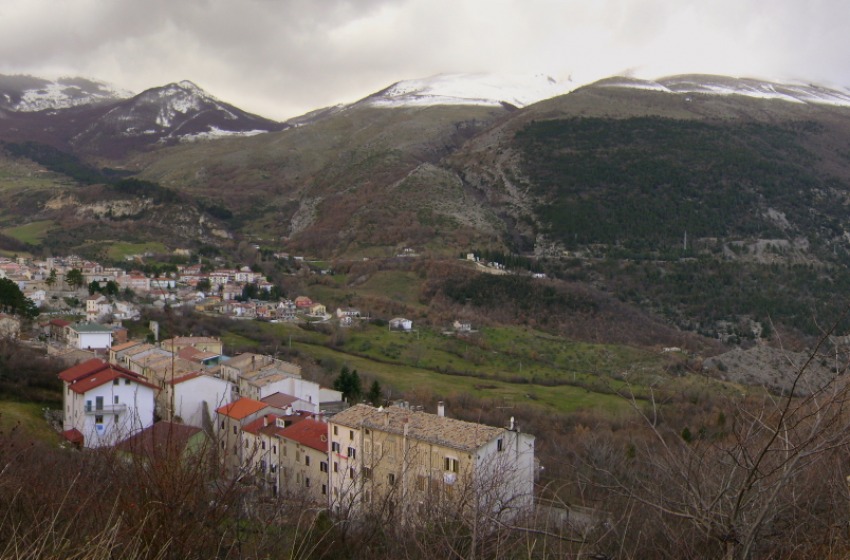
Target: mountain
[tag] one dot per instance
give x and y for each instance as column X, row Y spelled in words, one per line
column 30, row 94
column 89, row 118
column 488, row 90
column 175, row 112
column 719, row 204
column 723, row 85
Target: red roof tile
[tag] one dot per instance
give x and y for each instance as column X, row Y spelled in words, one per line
column 309, row 432
column 95, row 372
column 73, row 435
column 82, row 369
column 242, row 408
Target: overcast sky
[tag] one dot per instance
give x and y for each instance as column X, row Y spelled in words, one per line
column 282, row 58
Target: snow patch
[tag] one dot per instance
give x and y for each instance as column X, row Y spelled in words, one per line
column 57, row 95
column 489, row 90
column 719, row 85
column 214, row 132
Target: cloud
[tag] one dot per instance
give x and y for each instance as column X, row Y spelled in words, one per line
column 282, row 58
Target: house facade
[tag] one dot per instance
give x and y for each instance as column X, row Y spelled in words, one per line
column 414, row 463
column 104, row 403
column 89, row 336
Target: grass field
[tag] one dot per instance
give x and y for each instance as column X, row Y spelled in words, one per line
column 27, row 417
column 117, row 251
column 563, row 398
column 32, row 233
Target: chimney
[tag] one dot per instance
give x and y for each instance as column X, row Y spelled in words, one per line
column 441, row 408
column 512, row 424
column 265, row 421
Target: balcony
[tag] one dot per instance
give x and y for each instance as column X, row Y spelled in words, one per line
column 106, row 409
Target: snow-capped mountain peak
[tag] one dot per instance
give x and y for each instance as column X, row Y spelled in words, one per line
column 29, row 94
column 470, row 89
column 748, row 87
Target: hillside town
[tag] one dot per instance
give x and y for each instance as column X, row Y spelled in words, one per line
column 286, row 436
column 254, row 415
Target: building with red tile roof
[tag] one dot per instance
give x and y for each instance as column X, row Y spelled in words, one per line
column 105, row 403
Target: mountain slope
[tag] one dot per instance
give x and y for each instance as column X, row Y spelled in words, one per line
column 30, row 94
column 96, row 124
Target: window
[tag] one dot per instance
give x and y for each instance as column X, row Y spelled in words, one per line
column 323, row 466
column 285, row 453
column 420, row 482
column 367, row 431
column 391, row 479
column 352, row 453
column 274, row 449
column 306, row 459
column 222, row 424
column 126, row 382
column 336, row 432
column 98, row 419
column 234, row 429
column 500, row 444
column 297, row 456
column 336, row 466
column 452, row 465
column 351, row 473
column 116, row 399
column 264, row 445
column 116, row 381
column 350, row 434
column 335, row 447
column 307, row 482
column 324, row 489
column 366, row 472
column 273, row 468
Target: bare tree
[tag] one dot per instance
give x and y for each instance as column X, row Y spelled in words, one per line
column 742, row 490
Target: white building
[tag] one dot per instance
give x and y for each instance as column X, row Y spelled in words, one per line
column 196, row 396
column 89, row 336
column 104, row 403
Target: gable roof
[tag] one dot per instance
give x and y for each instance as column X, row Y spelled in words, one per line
column 423, row 426
column 279, row 400
column 242, row 408
column 92, row 328
column 161, row 439
column 309, row 432
column 95, row 372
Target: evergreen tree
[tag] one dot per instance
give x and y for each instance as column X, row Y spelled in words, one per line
column 75, row 279
column 375, row 394
column 348, row 383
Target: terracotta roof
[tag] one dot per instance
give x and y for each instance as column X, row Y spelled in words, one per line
column 242, row 408
column 163, row 438
column 95, row 372
column 440, row 430
column 309, row 432
column 125, row 345
column 81, row 370
column 191, row 353
column 59, row 322
column 265, row 421
column 74, row 436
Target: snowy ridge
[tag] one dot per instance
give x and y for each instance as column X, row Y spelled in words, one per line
column 64, row 93
column 489, row 90
column 721, row 85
